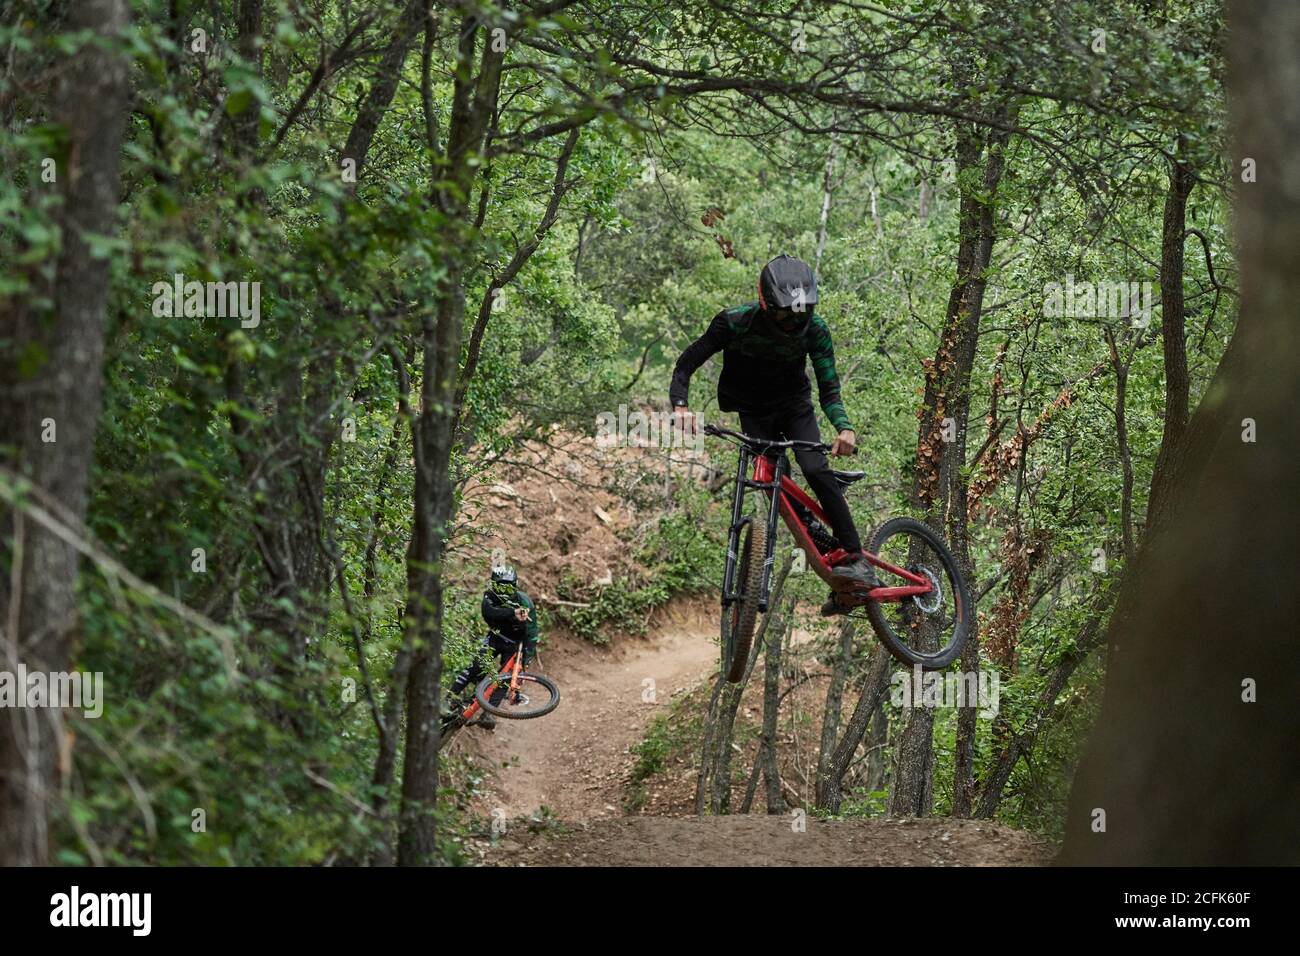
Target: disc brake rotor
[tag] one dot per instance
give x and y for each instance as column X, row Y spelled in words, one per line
column 931, row 602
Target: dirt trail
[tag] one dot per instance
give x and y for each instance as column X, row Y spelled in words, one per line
column 575, row 763
column 574, row 760
column 755, row 840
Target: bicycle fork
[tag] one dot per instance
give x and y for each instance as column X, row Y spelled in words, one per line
column 739, row 520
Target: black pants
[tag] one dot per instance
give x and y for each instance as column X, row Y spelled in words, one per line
column 799, row 423
column 500, row 647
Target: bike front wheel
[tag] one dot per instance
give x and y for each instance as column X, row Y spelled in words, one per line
column 739, row 618
column 928, row 629
column 534, row 696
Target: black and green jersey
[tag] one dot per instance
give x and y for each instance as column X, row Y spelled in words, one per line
column 499, row 613
column 762, row 369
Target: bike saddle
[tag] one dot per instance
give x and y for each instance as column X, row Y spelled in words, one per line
column 848, row 477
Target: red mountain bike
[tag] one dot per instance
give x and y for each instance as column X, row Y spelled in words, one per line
column 922, row 609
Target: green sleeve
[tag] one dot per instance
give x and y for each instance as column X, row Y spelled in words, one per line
column 531, row 630
column 822, row 352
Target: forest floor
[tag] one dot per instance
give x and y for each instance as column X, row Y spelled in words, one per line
column 562, row 789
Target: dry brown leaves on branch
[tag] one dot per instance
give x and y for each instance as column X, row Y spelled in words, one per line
column 712, row 216
column 1008, row 455
column 1001, row 627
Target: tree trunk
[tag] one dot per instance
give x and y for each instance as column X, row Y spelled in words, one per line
column 473, row 103
column 834, row 705
column 827, row 188
column 729, row 704
column 1122, row 445
column 1187, row 766
column 771, row 712
column 940, row 485
column 1172, row 326
column 43, row 631
column 873, row 777
column 964, row 783
column 713, row 784
column 873, row 692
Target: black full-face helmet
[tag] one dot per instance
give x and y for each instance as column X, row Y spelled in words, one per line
column 504, row 581
column 787, row 292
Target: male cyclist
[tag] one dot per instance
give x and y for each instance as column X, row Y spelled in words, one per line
column 512, row 625
column 765, row 346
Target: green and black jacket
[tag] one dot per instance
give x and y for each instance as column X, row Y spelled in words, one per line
column 762, row 369
column 499, row 613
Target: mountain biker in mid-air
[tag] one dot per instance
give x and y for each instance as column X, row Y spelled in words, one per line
column 512, row 624
column 765, row 346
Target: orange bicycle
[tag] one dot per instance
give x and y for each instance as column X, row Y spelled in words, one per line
column 511, row 692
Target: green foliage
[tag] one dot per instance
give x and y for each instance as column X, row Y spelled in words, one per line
column 671, row 734
column 865, row 803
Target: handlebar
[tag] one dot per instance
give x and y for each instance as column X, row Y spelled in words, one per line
column 763, row 443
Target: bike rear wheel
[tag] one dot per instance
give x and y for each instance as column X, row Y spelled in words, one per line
column 739, row 618
column 536, row 696
column 927, row 629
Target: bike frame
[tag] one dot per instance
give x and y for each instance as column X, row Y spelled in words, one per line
column 771, row 476
column 514, row 665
